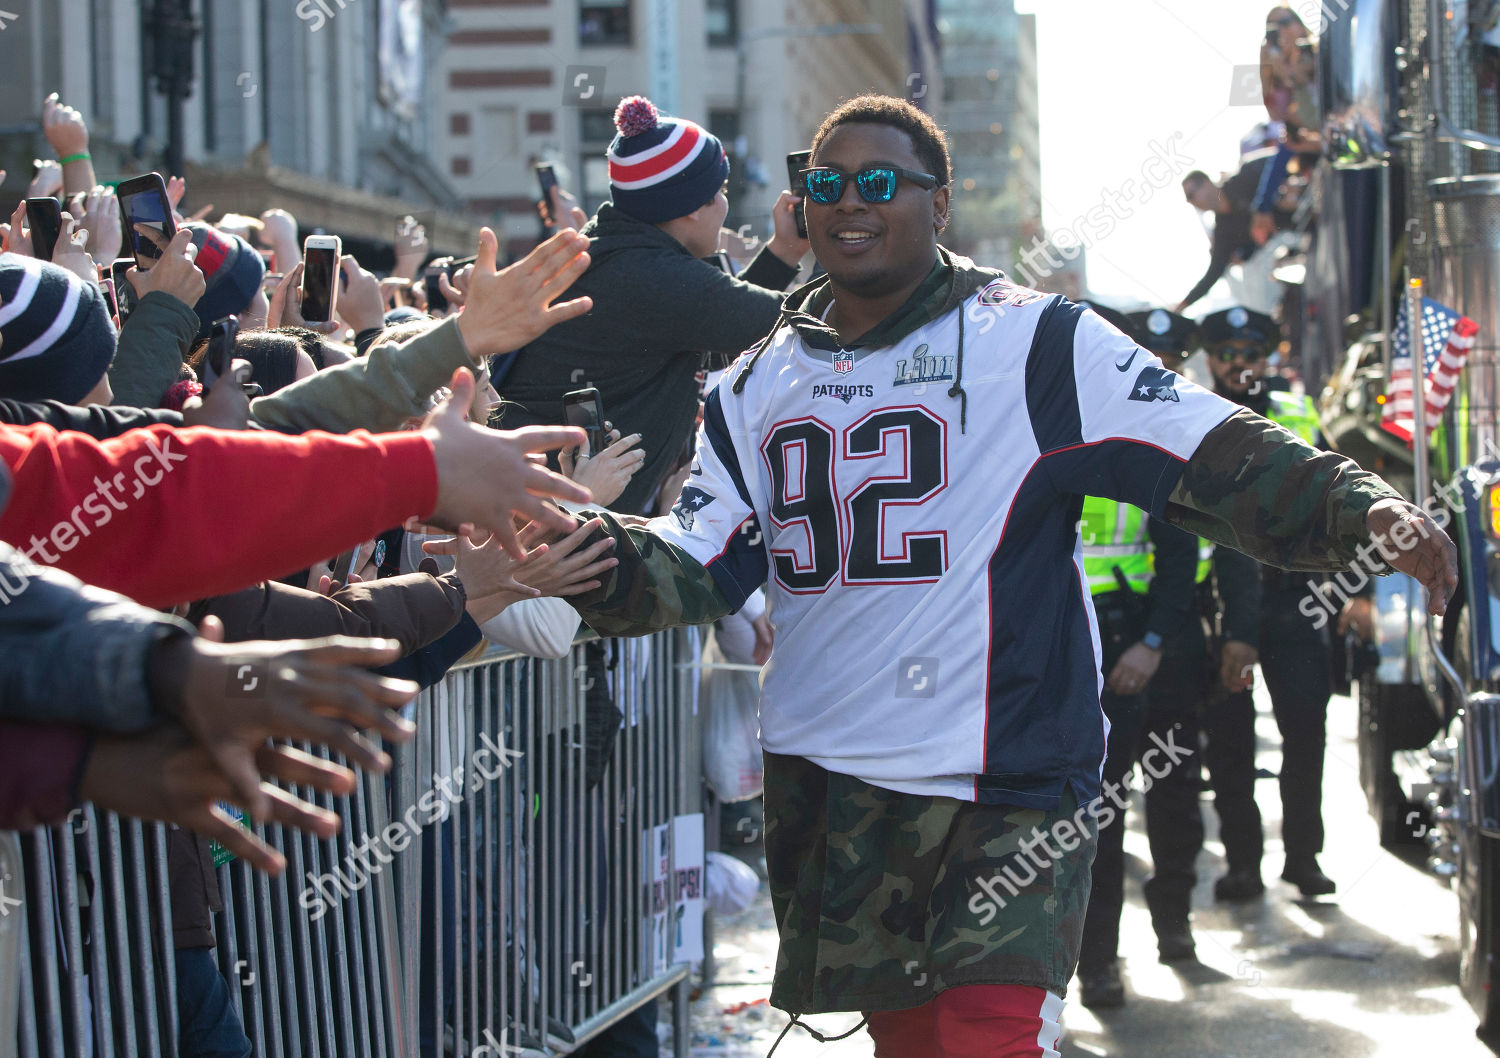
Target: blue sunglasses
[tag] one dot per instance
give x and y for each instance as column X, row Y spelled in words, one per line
column 825, row 184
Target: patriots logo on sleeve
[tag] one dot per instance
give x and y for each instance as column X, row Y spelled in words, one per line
column 1153, row 384
column 689, row 504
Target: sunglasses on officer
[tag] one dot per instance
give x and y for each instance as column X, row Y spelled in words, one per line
column 825, row 184
column 1228, row 354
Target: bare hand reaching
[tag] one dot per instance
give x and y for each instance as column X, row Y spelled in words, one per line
column 506, row 308
column 485, row 475
column 1422, row 549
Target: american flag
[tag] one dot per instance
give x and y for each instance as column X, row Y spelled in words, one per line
column 1447, row 337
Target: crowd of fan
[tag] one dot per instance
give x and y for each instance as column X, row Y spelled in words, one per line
column 172, row 539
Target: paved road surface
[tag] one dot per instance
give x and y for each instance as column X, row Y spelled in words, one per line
column 1371, row 971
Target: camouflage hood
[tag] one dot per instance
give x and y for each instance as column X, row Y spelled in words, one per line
column 953, row 280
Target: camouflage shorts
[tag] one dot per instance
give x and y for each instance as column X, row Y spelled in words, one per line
column 885, row 899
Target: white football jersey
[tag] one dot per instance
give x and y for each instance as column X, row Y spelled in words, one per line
column 934, row 630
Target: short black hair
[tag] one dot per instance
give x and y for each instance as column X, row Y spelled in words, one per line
column 1196, row 177
column 928, row 141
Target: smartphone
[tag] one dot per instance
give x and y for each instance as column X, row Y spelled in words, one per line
column 320, row 260
column 546, row 179
column 436, row 302
column 219, row 358
column 143, row 201
column 270, row 282
column 124, row 293
column 44, row 218
column 795, row 163
column 583, row 408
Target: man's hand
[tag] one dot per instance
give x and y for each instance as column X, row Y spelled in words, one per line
column 99, row 214
column 1134, row 669
column 509, row 307
column 1237, row 665
column 606, row 474
column 278, row 233
column 785, row 243
column 1262, row 227
column 1358, row 614
column 286, row 307
column 765, row 639
column 411, row 248
column 174, row 273
column 456, row 290
column 1423, row 550
column 567, row 567
column 18, row 239
column 165, row 775
column 64, row 127
column 48, row 181
column 485, row 475
column 566, row 213
column 361, row 305
column 232, row 697
column 485, row 569
column 71, row 252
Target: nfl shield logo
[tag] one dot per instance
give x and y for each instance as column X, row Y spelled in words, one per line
column 843, row 362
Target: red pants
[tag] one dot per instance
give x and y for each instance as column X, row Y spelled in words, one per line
column 973, row 1021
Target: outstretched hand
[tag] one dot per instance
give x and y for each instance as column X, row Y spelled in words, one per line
column 484, row 476
column 1422, row 549
column 232, row 697
column 507, row 307
column 164, row 774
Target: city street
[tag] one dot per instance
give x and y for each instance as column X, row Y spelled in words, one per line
column 1370, row 971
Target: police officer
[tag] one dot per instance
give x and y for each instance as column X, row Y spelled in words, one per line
column 1141, row 576
column 1140, row 573
column 1293, row 653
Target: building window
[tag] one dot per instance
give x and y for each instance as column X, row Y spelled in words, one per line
column 604, row 22
column 723, row 19
column 596, row 129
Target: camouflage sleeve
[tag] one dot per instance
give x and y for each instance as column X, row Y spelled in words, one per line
column 657, row 585
column 1254, row 486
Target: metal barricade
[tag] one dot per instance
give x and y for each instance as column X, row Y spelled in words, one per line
column 509, row 889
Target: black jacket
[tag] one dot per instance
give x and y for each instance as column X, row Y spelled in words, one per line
column 97, row 420
column 657, row 311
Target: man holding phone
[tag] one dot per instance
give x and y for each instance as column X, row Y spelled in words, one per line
column 658, row 308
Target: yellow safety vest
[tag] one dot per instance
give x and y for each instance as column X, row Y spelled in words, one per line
column 1296, row 413
column 1114, row 534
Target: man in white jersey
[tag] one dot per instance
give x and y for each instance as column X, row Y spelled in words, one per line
column 903, row 462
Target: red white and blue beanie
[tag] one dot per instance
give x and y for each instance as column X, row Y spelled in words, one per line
column 232, row 273
column 56, row 336
column 662, row 168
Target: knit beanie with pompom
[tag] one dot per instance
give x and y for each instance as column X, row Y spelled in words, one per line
column 662, row 168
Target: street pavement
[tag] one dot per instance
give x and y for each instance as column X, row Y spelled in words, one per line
column 1372, row 970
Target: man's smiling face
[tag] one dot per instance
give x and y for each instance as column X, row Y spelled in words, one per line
column 872, row 249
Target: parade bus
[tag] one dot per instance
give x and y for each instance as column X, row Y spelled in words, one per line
column 1408, row 227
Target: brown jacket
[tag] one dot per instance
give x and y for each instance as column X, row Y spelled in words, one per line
column 414, row 609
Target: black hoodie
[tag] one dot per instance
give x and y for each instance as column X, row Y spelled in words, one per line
column 657, row 311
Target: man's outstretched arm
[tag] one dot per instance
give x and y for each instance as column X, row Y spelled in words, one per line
column 657, row 585
column 693, row 566
column 1256, row 487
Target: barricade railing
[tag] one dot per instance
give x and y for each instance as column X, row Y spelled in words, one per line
column 528, row 873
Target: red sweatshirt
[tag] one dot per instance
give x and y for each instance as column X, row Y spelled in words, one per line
column 166, row 515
